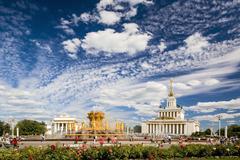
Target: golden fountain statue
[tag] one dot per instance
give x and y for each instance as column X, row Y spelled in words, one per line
column 99, row 126
column 96, row 120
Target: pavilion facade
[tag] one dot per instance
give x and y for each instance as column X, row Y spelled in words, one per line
column 170, row 120
column 63, row 125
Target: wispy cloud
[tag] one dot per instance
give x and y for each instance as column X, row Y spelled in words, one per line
column 205, row 107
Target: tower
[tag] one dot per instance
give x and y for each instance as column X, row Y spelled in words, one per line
column 171, row 100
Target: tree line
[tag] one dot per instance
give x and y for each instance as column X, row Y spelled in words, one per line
column 233, row 130
column 26, row 127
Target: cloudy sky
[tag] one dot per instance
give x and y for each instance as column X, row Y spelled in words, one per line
column 70, row 57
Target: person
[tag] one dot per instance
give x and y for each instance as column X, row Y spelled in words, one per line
column 14, row 142
column 76, row 140
column 169, row 139
column 115, row 139
column 101, row 141
column 221, row 140
column 84, row 146
column 108, row 139
column 94, row 140
column 42, row 138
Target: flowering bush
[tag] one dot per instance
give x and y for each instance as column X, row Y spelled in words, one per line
column 120, row 152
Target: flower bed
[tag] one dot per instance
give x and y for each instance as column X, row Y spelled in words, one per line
column 122, row 152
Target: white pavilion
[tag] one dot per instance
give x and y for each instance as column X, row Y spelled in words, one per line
column 64, row 124
column 170, row 120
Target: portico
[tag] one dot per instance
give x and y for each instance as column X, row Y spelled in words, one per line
column 64, row 124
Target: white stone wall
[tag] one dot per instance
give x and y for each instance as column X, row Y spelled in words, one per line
column 144, row 128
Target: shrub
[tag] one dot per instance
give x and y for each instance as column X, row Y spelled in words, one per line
column 120, row 152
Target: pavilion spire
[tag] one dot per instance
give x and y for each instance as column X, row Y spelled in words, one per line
column 171, row 93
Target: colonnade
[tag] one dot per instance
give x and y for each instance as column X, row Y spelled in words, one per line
column 63, row 127
column 168, row 114
column 158, row 129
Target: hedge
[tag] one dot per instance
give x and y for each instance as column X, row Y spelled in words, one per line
column 193, row 151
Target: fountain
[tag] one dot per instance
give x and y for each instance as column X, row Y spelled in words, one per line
column 98, row 126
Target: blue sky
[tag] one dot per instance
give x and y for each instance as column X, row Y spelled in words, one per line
column 70, row 57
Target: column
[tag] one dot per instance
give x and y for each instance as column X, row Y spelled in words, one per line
column 61, row 127
column 163, row 128
column 167, row 128
column 170, row 128
column 58, row 127
column 76, row 127
column 148, row 128
column 55, row 127
column 180, row 128
column 66, row 129
column 158, row 129
column 183, row 129
column 177, row 129
column 152, row 129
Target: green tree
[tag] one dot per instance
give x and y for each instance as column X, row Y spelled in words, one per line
column 137, row 129
column 31, row 127
column 4, row 128
column 207, row 132
column 233, row 130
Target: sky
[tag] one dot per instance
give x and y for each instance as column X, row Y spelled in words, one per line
column 117, row 56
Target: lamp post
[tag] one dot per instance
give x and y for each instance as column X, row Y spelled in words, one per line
column 219, row 125
column 12, row 121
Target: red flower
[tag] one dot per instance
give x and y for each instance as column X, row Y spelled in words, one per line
column 30, row 157
column 53, row 147
column 182, row 146
column 79, row 152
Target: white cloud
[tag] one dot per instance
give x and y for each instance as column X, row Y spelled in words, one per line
column 117, row 12
column 143, row 97
column 87, row 17
column 214, row 117
column 129, row 41
column 109, row 17
column 104, row 3
column 162, row 46
column 210, row 82
column 131, row 28
column 195, row 43
column 233, row 104
column 146, row 65
column 131, row 13
column 181, row 86
column 65, row 26
column 72, row 45
column 135, row 2
column 19, row 102
column 194, row 83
